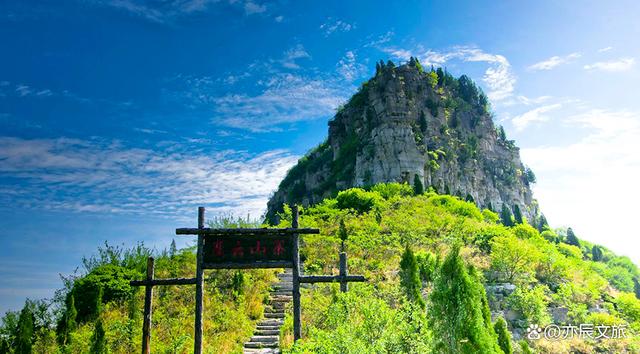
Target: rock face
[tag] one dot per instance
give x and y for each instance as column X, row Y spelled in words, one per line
column 407, row 122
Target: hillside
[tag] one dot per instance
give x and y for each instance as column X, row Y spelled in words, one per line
column 409, row 124
column 420, row 253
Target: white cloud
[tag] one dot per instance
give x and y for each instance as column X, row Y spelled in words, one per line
column 23, row 90
column 622, row 64
column 287, row 98
column 336, row 25
column 589, row 184
column 349, row 68
column 278, row 18
column 167, row 11
column 605, row 49
column 251, row 8
column 293, row 54
column 535, row 115
column 554, row 62
column 106, row 176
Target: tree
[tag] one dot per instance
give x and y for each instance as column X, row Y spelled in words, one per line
column 25, row 331
column 423, row 122
column 504, row 337
column 513, row 258
column 501, row 134
column 410, row 277
column 456, row 310
column 98, row 340
column 524, row 347
column 529, row 175
column 636, row 287
column 596, row 253
column 542, row 224
column 571, row 238
column 173, row 250
column 517, row 215
column 505, row 216
column 68, row 321
column 418, row 188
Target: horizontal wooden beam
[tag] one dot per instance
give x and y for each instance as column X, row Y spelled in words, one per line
column 247, row 265
column 331, row 278
column 170, row 281
column 244, row 231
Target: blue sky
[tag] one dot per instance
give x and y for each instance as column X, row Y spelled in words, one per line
column 119, row 117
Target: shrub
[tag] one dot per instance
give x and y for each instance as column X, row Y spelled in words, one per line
column 457, row 206
column 358, row 199
column 111, row 281
column 391, row 190
column 531, row 303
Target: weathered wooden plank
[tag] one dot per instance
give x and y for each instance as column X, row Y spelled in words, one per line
column 148, row 296
column 297, row 328
column 235, row 265
column 245, row 231
column 331, row 278
column 197, row 346
column 169, row 281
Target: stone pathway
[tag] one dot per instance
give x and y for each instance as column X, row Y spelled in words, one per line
column 266, row 336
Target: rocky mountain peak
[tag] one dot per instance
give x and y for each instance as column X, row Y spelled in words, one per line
column 409, row 121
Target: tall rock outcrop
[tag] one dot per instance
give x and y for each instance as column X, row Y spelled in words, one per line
column 407, row 122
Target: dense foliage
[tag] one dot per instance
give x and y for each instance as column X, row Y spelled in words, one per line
column 428, row 259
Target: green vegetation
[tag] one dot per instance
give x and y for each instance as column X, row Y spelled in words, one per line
column 427, row 258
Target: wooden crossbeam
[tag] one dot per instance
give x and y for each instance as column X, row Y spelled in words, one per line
column 331, row 278
column 245, row 231
column 170, row 281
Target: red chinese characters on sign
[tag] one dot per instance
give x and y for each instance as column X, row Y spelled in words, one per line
column 218, row 249
column 278, row 249
column 241, row 249
column 258, row 249
column 238, row 251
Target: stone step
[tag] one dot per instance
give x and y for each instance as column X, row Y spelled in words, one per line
column 267, row 328
column 271, row 322
column 260, row 345
column 265, row 339
column 273, row 315
column 261, row 351
column 267, row 332
column 270, row 309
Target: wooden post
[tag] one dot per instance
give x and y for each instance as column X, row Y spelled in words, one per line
column 197, row 341
column 148, row 296
column 297, row 332
column 343, row 272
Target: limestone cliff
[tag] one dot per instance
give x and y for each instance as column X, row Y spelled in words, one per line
column 407, row 121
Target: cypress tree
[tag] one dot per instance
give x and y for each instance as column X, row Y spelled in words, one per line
column 410, row 277
column 517, row 215
column 636, row 287
column 423, row 122
column 524, row 347
column 571, row 238
column 447, row 191
column 98, row 340
column 504, row 337
column 456, row 312
column 505, row 216
column 542, row 223
column 173, row 249
column 596, row 253
column 25, row 331
column 418, row 188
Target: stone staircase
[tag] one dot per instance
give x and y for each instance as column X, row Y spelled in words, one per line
column 266, row 336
